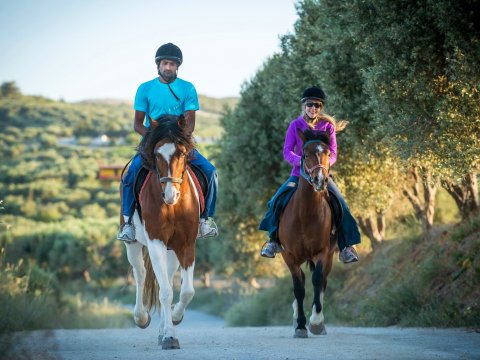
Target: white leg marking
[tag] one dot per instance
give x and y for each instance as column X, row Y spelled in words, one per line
column 295, row 312
column 186, row 293
column 158, row 256
column 135, row 257
column 317, row 318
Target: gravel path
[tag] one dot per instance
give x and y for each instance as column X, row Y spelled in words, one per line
column 205, row 337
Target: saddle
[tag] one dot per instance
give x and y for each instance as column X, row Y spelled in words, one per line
column 283, row 199
column 198, row 176
column 337, row 210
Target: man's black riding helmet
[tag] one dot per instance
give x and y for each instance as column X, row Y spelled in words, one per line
column 169, row 52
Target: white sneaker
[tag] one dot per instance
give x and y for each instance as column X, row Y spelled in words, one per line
column 127, row 233
column 207, row 228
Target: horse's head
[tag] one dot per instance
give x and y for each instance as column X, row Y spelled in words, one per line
column 166, row 149
column 315, row 165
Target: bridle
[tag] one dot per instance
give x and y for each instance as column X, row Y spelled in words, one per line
column 318, row 166
column 304, row 169
column 167, row 179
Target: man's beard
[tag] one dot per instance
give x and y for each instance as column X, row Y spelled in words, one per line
column 169, row 76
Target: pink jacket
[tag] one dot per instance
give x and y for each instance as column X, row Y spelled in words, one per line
column 292, row 149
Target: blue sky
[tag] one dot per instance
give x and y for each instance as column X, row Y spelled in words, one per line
column 81, row 49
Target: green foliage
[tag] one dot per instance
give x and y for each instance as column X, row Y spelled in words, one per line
column 423, row 79
column 404, row 75
column 9, row 89
column 62, row 220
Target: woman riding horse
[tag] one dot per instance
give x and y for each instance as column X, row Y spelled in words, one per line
column 313, row 100
column 305, row 231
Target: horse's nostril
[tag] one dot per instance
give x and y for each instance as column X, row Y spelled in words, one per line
column 163, row 195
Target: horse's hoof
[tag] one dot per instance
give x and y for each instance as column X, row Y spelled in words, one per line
column 301, row 333
column 144, row 326
column 317, row 329
column 170, row 344
column 177, row 322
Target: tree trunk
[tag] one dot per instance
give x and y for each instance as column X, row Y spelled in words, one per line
column 423, row 201
column 207, row 279
column 374, row 228
column 465, row 194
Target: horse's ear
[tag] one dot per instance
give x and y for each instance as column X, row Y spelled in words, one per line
column 181, row 121
column 302, row 137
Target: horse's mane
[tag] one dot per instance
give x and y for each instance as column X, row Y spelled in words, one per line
column 317, row 135
column 169, row 129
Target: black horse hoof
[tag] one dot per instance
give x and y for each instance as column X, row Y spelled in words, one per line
column 170, row 344
column 317, row 329
column 301, row 333
column 144, row 326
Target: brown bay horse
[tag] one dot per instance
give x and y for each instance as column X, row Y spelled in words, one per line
column 305, row 232
column 168, row 229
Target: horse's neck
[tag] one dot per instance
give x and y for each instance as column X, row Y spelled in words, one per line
column 309, row 198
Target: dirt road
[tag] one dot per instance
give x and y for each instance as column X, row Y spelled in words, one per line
column 205, row 337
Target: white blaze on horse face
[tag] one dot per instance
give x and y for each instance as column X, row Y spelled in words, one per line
column 320, row 177
column 171, row 193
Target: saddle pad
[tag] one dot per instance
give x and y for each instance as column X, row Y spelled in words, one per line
column 201, row 198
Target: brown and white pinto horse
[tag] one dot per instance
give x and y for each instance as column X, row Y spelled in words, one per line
column 305, row 229
column 168, row 230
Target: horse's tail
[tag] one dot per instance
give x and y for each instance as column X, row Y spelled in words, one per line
column 151, row 287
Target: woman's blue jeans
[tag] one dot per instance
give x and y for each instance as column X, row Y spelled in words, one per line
column 128, row 196
column 347, row 235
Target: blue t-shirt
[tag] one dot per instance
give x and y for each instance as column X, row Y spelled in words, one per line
column 155, row 98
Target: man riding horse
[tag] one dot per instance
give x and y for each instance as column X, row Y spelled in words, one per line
column 167, row 94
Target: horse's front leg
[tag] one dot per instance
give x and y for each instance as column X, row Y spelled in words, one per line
column 186, row 294
column 135, row 257
column 317, row 322
column 172, row 267
column 298, row 278
column 158, row 256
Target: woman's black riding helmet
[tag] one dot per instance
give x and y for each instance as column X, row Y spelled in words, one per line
column 314, row 93
column 169, row 52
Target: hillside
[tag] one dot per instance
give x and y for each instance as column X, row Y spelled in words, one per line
column 207, row 129
column 409, row 281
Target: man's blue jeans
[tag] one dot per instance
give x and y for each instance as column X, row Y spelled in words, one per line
column 128, row 197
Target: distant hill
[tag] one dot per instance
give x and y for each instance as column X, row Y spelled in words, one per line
column 207, row 103
column 207, row 129
column 216, row 105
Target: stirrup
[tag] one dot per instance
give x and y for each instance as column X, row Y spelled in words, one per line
column 211, row 232
column 127, row 233
column 270, row 249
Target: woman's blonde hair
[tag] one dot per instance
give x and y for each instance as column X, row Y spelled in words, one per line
column 338, row 125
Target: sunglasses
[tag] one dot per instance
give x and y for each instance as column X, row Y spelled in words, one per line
column 310, row 104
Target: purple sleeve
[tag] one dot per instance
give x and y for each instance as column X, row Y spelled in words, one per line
column 289, row 147
column 333, row 144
